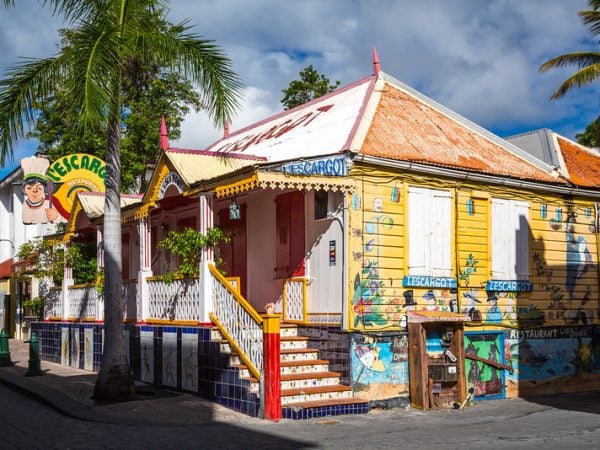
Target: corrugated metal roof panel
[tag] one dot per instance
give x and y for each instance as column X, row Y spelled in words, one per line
column 93, row 202
column 406, row 128
column 320, row 127
column 537, row 143
column 198, row 165
column 582, row 164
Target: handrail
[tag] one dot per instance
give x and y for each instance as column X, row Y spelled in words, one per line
column 241, row 300
column 81, row 286
column 241, row 326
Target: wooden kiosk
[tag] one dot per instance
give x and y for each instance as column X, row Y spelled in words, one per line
column 436, row 358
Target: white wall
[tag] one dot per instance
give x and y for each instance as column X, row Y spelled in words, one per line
column 324, row 290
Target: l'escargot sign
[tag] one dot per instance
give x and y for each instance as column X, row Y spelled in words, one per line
column 77, row 172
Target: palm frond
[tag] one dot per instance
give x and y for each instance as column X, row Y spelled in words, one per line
column 23, row 86
column 200, row 60
column 592, row 20
column 578, row 59
column 581, row 78
column 94, row 58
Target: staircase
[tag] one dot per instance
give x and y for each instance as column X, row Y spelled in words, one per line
column 308, row 388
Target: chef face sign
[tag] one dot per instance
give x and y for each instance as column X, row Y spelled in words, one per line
column 37, row 207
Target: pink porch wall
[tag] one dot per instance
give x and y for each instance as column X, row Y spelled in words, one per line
column 260, row 235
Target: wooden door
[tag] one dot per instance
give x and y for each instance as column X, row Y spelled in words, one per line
column 289, row 235
column 233, row 253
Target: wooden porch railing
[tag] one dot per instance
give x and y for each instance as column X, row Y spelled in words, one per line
column 83, row 302
column 53, row 307
column 294, row 300
column 238, row 322
column 174, row 301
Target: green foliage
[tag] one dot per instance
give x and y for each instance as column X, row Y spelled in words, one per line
column 586, row 62
column 310, row 85
column 36, row 306
column 148, row 92
column 82, row 259
column 41, row 259
column 187, row 245
column 46, row 259
column 591, row 136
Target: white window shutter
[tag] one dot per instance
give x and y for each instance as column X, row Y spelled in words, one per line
column 418, row 231
column 440, row 247
column 521, row 244
column 502, row 248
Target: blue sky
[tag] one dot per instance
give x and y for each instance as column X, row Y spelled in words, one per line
column 477, row 57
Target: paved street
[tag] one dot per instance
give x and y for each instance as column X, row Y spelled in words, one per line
column 573, row 422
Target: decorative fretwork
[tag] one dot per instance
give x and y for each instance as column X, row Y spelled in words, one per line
column 238, row 322
column 177, row 300
column 294, row 300
column 83, row 301
column 131, row 305
column 53, row 305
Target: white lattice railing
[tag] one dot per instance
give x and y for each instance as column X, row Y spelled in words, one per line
column 83, row 301
column 177, row 300
column 238, row 322
column 294, row 300
column 53, row 305
column 131, row 306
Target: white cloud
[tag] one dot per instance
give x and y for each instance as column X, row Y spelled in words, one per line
column 479, row 58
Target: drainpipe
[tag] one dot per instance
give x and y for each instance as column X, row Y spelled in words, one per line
column 345, row 274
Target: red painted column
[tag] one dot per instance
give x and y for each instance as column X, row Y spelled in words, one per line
column 271, row 368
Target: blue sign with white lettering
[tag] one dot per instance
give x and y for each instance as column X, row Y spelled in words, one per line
column 429, row 282
column 329, row 167
column 509, row 285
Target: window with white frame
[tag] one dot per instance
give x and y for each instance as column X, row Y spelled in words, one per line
column 429, row 232
column 510, row 239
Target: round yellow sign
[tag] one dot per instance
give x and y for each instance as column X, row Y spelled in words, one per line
column 77, row 172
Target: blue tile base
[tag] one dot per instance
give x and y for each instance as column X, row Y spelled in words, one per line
column 323, row 411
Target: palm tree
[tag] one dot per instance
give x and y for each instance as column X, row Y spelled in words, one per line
column 587, row 63
column 105, row 35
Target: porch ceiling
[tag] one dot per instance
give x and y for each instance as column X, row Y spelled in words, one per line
column 276, row 180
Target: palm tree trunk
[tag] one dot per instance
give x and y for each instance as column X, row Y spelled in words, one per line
column 115, row 379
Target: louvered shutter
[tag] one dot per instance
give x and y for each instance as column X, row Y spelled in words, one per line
column 439, row 243
column 418, row 231
column 502, row 228
column 521, row 244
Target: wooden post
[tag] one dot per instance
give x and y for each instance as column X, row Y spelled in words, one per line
column 271, row 395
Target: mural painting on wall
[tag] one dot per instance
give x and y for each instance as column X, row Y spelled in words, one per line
column 49, row 189
column 371, row 309
column 579, row 258
column 499, row 306
column 558, row 356
column 484, row 377
column 470, row 267
column 379, row 365
column 568, row 306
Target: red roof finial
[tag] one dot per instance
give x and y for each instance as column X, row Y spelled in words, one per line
column 226, row 130
column 376, row 65
column 164, row 137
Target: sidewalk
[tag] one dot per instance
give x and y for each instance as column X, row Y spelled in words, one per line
column 69, row 391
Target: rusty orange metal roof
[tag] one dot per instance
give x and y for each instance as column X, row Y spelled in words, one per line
column 6, row 268
column 583, row 165
column 408, row 128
